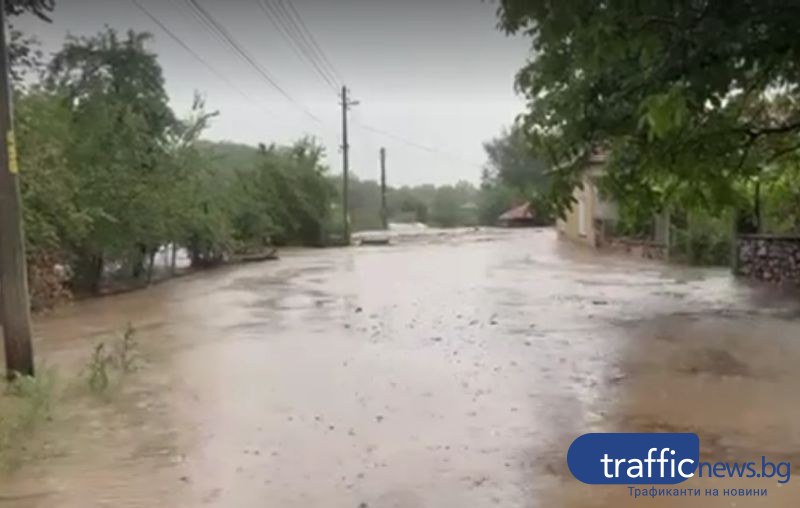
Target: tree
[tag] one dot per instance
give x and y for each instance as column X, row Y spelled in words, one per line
column 23, row 52
column 364, row 203
column 454, row 205
column 48, row 189
column 282, row 197
column 781, row 197
column 515, row 174
column 39, row 8
column 110, row 175
column 408, row 204
column 682, row 93
column 42, row 124
column 120, row 122
column 188, row 186
column 493, row 200
column 513, row 161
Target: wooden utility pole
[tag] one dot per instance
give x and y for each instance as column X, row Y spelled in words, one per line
column 345, row 171
column 14, row 300
column 384, row 211
column 346, row 103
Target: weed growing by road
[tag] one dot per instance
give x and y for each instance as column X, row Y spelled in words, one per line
column 25, row 402
column 117, row 360
column 98, row 368
column 125, row 354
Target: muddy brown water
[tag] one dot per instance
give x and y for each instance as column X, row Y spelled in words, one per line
column 453, row 372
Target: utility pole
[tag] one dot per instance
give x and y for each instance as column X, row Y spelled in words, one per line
column 346, row 103
column 14, row 300
column 384, row 211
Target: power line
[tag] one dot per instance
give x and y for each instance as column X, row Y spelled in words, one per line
column 309, row 41
column 192, row 52
column 292, row 29
column 313, row 41
column 222, row 35
column 307, row 37
column 301, row 52
column 299, row 37
column 209, row 28
column 243, row 54
column 418, row 146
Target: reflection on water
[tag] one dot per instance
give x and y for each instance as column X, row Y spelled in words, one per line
column 447, row 371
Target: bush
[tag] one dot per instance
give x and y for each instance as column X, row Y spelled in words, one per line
column 702, row 240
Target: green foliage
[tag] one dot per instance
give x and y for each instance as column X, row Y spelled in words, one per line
column 513, row 161
column 411, row 203
column 454, row 206
column 120, row 125
column 494, row 199
column 692, row 97
column 702, row 239
column 278, row 195
column 25, row 58
column 97, row 369
column 111, row 363
column 364, row 203
column 515, row 175
column 25, row 403
column 781, row 198
column 125, row 354
column 443, row 206
column 53, row 220
column 37, row 390
column 110, row 174
column 40, row 8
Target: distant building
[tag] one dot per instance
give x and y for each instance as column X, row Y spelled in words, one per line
column 589, row 218
column 519, row 216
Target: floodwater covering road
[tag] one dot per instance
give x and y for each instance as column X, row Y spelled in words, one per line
column 449, row 372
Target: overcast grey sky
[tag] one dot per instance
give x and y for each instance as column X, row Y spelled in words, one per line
column 434, row 72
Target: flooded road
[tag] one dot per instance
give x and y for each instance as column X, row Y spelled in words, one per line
column 445, row 373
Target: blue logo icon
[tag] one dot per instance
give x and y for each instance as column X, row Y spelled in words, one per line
column 634, row 459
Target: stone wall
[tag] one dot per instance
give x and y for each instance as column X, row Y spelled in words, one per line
column 639, row 248
column 769, row 258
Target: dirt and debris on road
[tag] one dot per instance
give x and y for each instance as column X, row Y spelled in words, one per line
column 448, row 373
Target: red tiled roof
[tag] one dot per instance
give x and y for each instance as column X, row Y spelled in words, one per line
column 521, row 212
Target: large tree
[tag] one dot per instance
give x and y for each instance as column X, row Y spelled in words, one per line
column 513, row 161
column 120, row 132
column 23, row 52
column 515, row 173
column 690, row 96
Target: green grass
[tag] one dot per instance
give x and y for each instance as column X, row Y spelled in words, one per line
column 25, row 403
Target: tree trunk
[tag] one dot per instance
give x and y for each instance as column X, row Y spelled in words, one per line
column 173, row 261
column 140, row 255
column 150, row 264
column 88, row 273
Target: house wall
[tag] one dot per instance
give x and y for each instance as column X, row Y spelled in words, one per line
column 569, row 227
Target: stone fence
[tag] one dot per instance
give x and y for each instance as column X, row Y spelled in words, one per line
column 769, row 258
column 639, row 248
